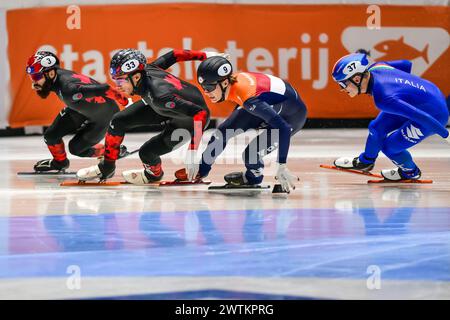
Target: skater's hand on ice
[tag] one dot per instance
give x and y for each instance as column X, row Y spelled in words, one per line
column 285, row 177
column 448, row 138
column 213, row 54
column 191, row 164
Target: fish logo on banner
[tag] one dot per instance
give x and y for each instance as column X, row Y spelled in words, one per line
column 422, row 46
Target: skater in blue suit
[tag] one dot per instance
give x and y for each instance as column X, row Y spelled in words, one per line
column 412, row 109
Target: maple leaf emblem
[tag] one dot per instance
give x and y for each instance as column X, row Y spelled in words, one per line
column 174, row 81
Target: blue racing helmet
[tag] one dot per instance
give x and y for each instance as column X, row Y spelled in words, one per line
column 349, row 66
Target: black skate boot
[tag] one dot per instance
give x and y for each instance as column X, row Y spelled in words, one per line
column 51, row 165
column 236, row 179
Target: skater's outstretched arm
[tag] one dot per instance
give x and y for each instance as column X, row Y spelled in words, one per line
column 170, row 58
column 174, row 56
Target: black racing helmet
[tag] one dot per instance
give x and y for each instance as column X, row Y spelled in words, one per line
column 127, row 61
column 212, row 71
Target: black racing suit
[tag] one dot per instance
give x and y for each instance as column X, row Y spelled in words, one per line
column 168, row 102
column 89, row 108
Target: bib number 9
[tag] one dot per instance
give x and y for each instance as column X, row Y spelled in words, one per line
column 224, row 70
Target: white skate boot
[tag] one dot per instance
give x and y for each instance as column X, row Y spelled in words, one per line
column 398, row 174
column 352, row 163
column 99, row 171
column 89, row 173
column 144, row 176
column 135, row 176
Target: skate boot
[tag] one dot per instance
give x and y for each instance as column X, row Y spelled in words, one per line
column 398, row 174
column 237, row 179
column 51, row 165
column 102, row 171
column 147, row 175
column 353, row 164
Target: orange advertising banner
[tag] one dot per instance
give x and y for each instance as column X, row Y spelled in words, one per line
column 299, row 43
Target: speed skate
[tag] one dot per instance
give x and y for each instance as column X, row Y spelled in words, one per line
column 370, row 174
column 400, row 181
column 132, row 177
column 399, row 176
column 103, row 183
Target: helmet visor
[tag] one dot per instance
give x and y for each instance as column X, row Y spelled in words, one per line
column 36, row 76
column 209, row 87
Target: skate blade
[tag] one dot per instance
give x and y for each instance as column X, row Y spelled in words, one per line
column 81, row 183
column 400, row 181
column 365, row 173
column 47, row 173
column 182, row 183
column 234, row 187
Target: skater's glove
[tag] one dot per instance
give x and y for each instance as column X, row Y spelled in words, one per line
column 210, row 54
column 448, row 138
column 191, row 164
column 116, row 95
column 285, row 177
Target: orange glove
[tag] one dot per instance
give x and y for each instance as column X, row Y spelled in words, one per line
column 116, row 95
